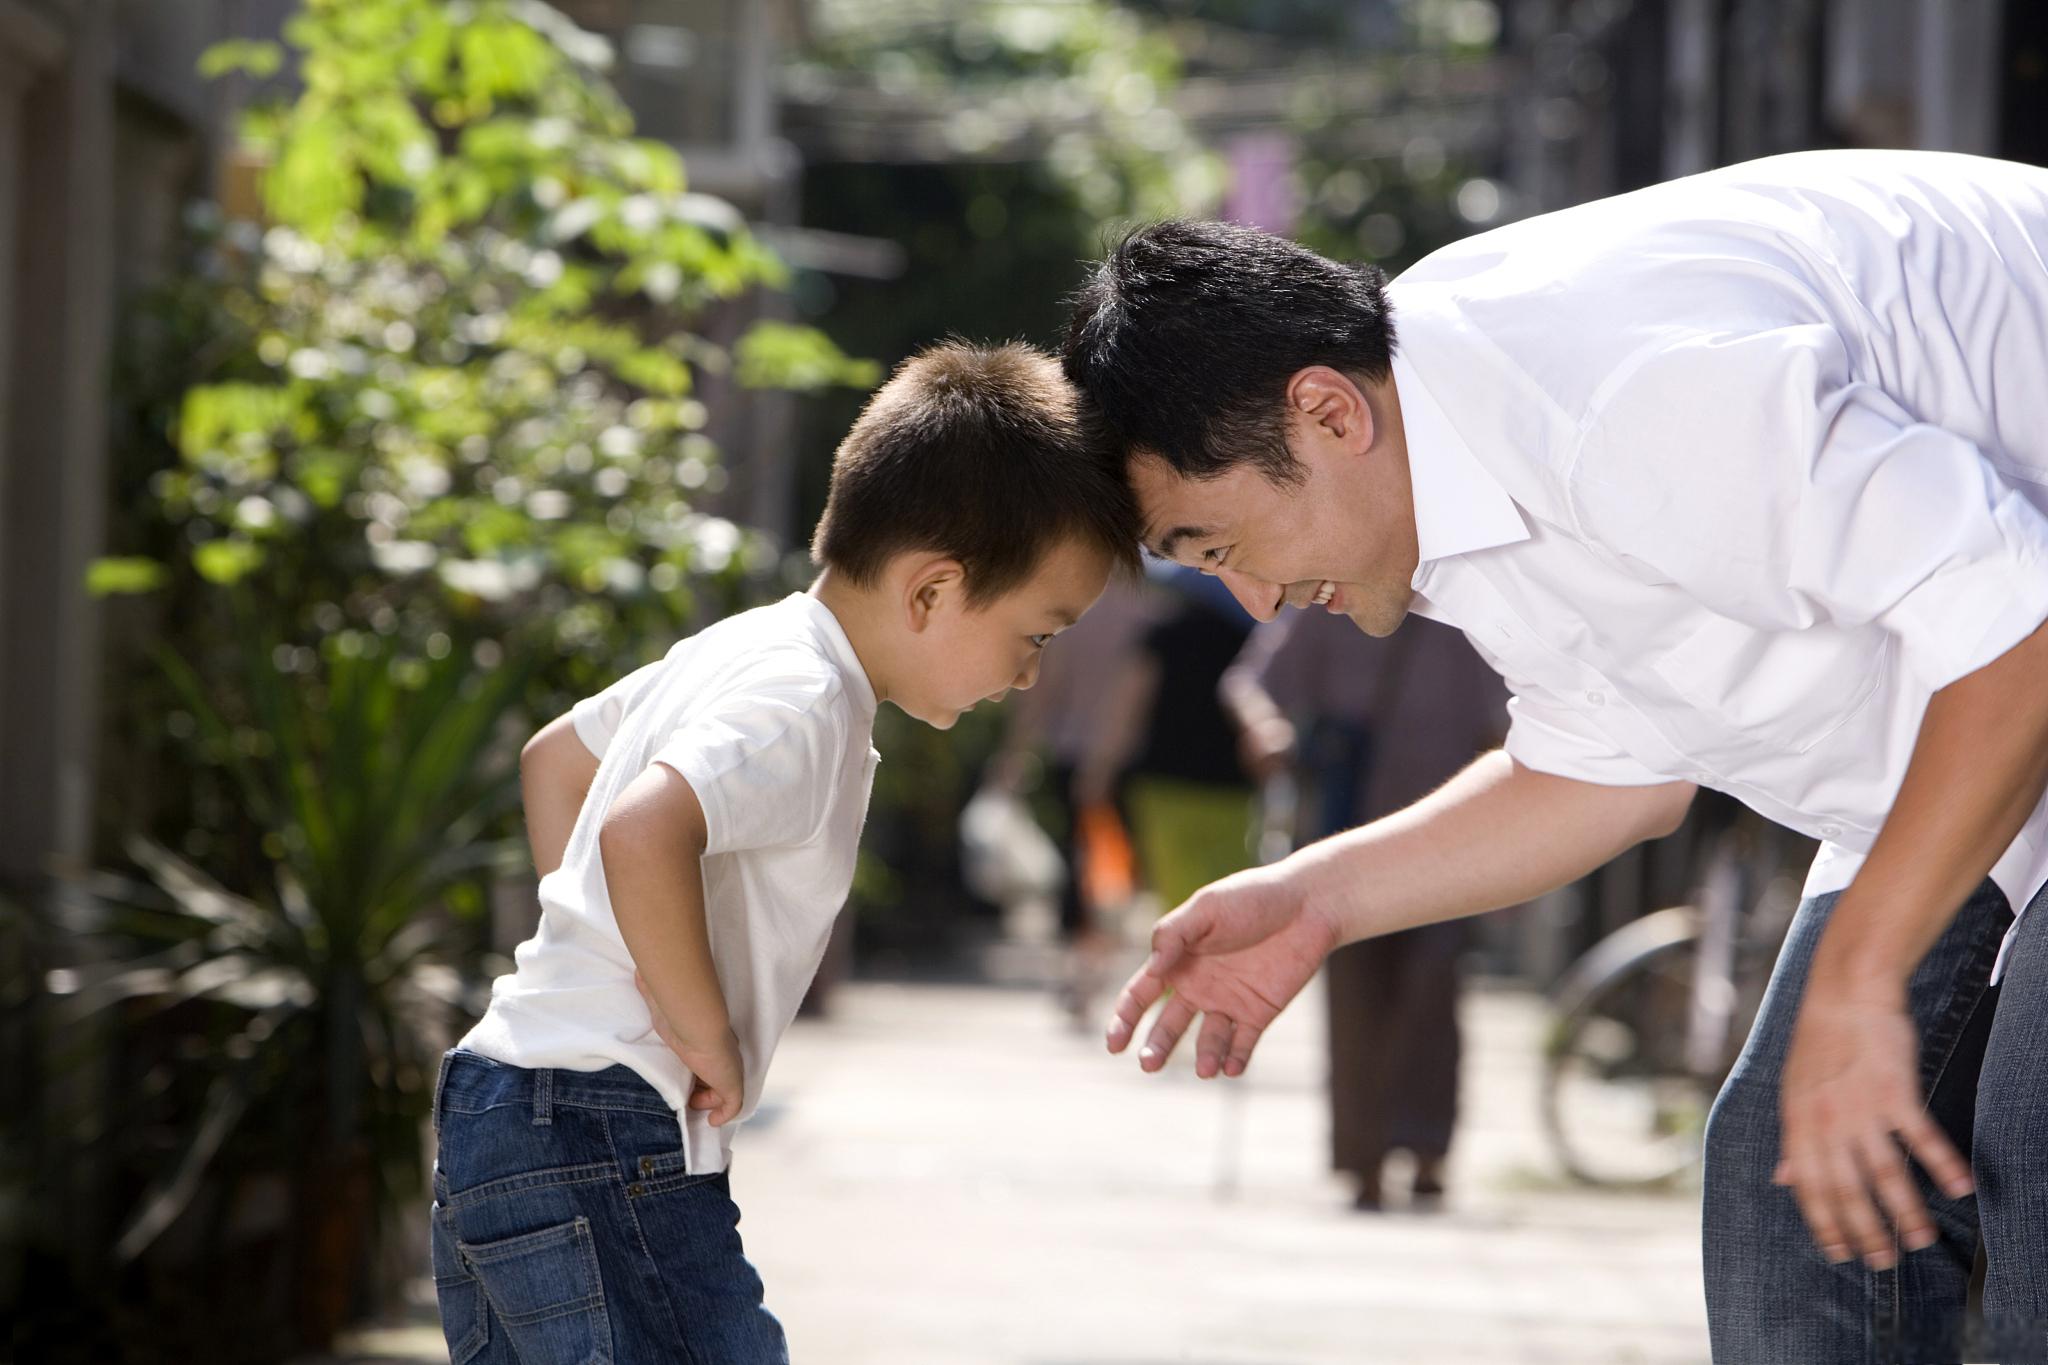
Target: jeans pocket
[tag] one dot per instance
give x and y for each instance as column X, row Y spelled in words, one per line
column 542, row 1289
column 651, row 1146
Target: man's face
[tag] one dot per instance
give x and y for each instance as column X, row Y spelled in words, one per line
column 1342, row 540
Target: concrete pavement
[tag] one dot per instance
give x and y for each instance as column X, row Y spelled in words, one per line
column 952, row 1175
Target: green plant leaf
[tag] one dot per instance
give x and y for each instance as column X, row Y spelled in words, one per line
column 119, row 576
column 256, row 57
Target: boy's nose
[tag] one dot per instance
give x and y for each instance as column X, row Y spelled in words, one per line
column 1029, row 674
column 1255, row 595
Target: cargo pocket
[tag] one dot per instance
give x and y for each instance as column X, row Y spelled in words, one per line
column 458, row 1292
column 540, row 1289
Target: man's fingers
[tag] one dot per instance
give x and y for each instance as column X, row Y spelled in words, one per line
column 1173, row 1021
column 1819, row 1214
column 1884, row 1165
column 1242, row 1040
column 1932, row 1149
column 1211, row 1044
column 1848, row 1191
column 1137, row 997
column 1169, row 944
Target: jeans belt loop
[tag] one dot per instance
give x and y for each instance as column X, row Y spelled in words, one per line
column 544, row 1095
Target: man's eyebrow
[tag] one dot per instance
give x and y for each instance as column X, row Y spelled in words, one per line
column 1177, row 535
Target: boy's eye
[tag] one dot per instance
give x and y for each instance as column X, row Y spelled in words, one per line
column 1039, row 641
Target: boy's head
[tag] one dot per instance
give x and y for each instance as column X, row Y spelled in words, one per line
column 976, row 502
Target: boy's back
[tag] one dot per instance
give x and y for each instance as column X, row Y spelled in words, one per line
column 768, row 716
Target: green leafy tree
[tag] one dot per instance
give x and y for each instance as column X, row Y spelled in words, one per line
column 456, row 372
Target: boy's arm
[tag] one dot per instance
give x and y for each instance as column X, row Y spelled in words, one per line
column 555, row 771
column 652, row 843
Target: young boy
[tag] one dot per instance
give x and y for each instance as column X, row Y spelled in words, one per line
column 581, row 1205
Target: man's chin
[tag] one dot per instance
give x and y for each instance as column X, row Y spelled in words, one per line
column 1378, row 619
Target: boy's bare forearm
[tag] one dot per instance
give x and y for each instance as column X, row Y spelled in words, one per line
column 1495, row 835
column 654, row 875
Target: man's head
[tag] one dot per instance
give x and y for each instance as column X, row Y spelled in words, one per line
column 1248, row 382
column 978, row 510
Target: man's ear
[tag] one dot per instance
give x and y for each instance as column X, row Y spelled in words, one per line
column 1332, row 406
column 933, row 586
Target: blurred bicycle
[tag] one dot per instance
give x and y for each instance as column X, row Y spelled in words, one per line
column 1651, row 1019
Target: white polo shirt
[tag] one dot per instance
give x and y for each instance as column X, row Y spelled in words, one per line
column 1727, row 476
column 768, row 716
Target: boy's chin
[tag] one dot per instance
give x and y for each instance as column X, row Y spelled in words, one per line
column 938, row 717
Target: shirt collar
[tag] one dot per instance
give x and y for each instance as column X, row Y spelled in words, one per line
column 1459, row 506
column 858, row 687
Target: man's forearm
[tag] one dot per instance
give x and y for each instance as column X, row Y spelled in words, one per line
column 1496, row 834
column 1978, row 770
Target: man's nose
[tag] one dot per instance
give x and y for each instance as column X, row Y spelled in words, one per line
column 1255, row 595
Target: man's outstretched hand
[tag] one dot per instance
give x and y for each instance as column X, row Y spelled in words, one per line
column 1235, row 953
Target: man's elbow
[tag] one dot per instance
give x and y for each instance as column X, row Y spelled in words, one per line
column 1664, row 809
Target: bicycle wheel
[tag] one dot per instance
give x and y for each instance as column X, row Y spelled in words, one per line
column 1620, row 1105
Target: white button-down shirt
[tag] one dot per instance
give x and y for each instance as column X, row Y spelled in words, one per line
column 1727, row 476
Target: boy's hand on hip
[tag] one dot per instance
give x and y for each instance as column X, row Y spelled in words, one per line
column 720, row 1085
column 1237, row 952
column 1851, row 1111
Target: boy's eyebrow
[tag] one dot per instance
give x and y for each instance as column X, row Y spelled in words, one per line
column 1177, row 535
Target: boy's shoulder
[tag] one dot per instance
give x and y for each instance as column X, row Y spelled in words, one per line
column 791, row 651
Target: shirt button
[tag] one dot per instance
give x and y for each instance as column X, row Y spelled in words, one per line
column 1597, row 698
column 1830, row 831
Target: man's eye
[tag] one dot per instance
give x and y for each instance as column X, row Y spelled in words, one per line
column 1213, row 558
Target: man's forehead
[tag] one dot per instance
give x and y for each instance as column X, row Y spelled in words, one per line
column 1170, row 504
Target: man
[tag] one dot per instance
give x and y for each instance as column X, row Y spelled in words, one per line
column 1738, row 481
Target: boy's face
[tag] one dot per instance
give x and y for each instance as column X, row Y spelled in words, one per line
column 967, row 655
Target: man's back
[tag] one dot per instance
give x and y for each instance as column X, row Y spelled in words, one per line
column 1777, row 440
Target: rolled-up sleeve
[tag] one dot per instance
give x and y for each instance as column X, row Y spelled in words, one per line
column 1756, row 473
column 597, row 718
column 1547, row 735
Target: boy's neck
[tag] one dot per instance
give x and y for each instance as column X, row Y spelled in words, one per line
column 862, row 615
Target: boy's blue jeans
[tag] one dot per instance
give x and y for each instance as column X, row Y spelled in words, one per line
column 1771, row 1298
column 566, row 1231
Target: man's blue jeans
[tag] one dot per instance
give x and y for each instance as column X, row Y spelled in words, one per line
column 567, row 1232
column 1771, row 1298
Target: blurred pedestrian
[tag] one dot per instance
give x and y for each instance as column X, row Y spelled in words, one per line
column 1051, row 730
column 1370, row 725
column 1167, row 755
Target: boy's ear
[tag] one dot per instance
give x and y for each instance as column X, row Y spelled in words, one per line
column 935, row 585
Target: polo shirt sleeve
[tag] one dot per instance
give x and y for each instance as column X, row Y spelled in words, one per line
column 764, row 765
column 1550, row 737
column 597, row 718
column 1756, row 473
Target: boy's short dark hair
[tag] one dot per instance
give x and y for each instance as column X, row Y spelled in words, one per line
column 1186, row 335
column 983, row 453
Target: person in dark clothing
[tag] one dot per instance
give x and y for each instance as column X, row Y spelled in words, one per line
column 1168, row 751
column 1371, row 725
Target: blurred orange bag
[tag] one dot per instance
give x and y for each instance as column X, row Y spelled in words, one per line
column 1108, row 868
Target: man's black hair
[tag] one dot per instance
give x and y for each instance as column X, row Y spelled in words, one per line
column 1186, row 335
